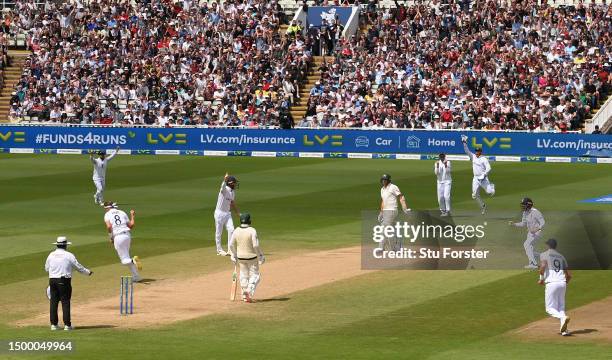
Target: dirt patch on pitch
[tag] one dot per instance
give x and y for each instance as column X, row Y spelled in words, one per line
column 592, row 322
column 164, row 302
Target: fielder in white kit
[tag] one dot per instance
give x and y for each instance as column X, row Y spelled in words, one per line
column 481, row 169
column 223, row 215
column 244, row 248
column 554, row 274
column 119, row 231
column 99, row 173
column 389, row 194
column 534, row 222
column 442, row 169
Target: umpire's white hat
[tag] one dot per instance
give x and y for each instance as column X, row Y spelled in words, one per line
column 62, row 240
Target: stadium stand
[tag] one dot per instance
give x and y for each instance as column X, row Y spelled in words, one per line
column 484, row 65
column 415, row 64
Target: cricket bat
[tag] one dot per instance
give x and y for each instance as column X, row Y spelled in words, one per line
column 234, row 282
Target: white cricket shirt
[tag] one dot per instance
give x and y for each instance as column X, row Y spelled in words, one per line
column 389, row 195
column 480, row 164
column 532, row 219
column 60, row 264
column 225, row 198
column 443, row 172
column 99, row 171
column 118, row 220
column 556, row 264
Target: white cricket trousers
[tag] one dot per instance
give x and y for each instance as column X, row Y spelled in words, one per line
column 122, row 244
column 444, row 195
column 388, row 219
column 99, row 195
column 223, row 219
column 486, row 185
column 554, row 298
column 249, row 276
column 529, row 246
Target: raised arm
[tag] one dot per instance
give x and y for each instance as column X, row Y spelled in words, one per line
column 132, row 222
column 467, row 150
column 111, row 156
column 91, row 158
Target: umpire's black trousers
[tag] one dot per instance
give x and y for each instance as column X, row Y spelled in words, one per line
column 61, row 290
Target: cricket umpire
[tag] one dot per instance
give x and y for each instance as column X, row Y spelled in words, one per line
column 59, row 265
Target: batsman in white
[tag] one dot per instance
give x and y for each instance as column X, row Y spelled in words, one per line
column 223, row 215
column 481, row 169
column 389, row 194
column 534, row 222
column 119, row 231
column 555, row 275
column 99, row 173
column 244, row 248
column 442, row 169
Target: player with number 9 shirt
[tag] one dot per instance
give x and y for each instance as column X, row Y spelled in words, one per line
column 119, row 226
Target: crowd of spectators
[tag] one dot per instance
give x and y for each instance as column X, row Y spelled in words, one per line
column 480, row 65
column 158, row 62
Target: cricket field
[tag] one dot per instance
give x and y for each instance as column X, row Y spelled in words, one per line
column 298, row 206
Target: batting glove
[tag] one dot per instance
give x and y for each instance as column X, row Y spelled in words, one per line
column 262, row 260
column 407, row 211
column 380, row 217
column 464, row 138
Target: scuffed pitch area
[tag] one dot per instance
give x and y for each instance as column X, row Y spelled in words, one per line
column 589, row 322
column 164, row 302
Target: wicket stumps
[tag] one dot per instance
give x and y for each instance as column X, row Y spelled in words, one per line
column 126, row 296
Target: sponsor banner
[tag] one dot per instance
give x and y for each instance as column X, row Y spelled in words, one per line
column 22, row 151
column 408, row 156
column 508, row 158
column 286, row 154
column 584, row 160
column 263, row 154
column 336, row 155
column 167, row 152
column 557, row 159
column 69, row 151
column 311, row 155
column 532, row 159
column 304, row 140
column 215, row 153
column 429, row 157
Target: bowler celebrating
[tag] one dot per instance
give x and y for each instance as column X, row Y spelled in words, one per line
column 554, row 272
column 442, row 169
column 119, row 228
column 534, row 222
column 99, row 173
column 481, row 169
column 389, row 194
column 223, row 215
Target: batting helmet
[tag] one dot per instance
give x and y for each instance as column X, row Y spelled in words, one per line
column 385, row 177
column 245, row 218
column 232, row 182
column 526, row 203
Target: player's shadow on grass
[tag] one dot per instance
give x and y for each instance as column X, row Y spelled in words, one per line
column 92, row 327
column 583, row 331
column 147, row 281
column 274, row 299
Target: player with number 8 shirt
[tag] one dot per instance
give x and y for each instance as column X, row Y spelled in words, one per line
column 119, row 225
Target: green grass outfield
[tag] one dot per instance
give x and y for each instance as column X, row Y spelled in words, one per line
column 297, row 205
